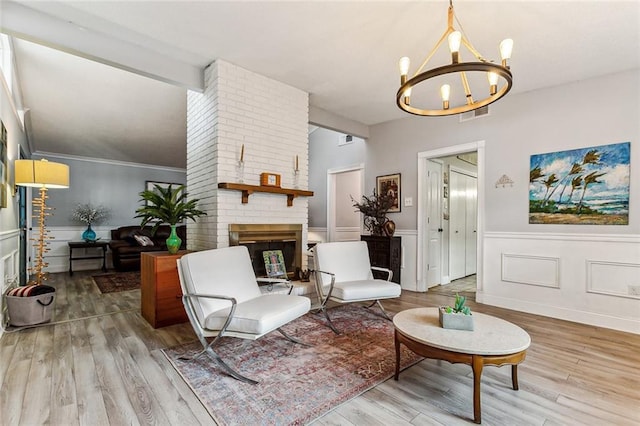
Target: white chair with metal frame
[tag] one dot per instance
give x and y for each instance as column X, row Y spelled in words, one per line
column 222, row 298
column 344, row 275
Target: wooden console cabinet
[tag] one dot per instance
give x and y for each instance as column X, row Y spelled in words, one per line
column 160, row 289
column 385, row 252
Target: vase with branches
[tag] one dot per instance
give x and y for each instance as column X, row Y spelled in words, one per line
column 375, row 208
column 167, row 205
column 89, row 214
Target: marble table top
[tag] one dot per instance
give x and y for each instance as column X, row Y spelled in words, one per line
column 491, row 335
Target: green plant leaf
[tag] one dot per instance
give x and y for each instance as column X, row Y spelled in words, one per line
column 166, row 205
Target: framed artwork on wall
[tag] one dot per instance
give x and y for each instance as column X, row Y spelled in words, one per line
column 390, row 184
column 4, row 166
column 585, row 186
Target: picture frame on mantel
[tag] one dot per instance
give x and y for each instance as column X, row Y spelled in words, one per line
column 390, row 184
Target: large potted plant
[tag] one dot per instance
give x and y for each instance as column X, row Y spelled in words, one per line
column 167, row 205
column 375, row 208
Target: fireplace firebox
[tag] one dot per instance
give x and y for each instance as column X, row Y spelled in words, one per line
column 262, row 237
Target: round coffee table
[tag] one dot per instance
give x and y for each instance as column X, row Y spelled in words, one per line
column 492, row 342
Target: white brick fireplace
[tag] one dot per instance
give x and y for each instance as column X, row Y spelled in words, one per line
column 271, row 120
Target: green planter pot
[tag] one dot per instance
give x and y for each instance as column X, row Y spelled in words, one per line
column 173, row 242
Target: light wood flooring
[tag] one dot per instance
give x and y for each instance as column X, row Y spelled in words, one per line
column 108, row 369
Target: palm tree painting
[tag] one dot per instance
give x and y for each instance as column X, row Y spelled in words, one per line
column 587, row 186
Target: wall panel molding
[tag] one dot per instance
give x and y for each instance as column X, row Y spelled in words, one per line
column 531, row 270
column 9, row 233
column 613, row 278
column 614, row 238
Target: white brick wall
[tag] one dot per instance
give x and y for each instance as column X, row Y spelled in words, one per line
column 271, row 120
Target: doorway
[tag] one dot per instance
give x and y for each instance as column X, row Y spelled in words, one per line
column 462, row 223
column 471, row 263
column 343, row 186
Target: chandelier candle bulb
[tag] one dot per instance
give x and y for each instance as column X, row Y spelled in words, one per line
column 454, row 45
column 407, row 96
column 493, row 82
column 506, row 47
column 404, row 68
column 445, row 92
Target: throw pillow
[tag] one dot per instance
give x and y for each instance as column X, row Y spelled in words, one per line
column 143, row 240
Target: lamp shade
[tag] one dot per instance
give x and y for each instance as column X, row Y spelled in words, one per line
column 41, row 174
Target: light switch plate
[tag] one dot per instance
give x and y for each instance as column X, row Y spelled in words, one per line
column 408, row 201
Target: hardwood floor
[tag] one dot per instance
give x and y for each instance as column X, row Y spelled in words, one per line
column 101, row 364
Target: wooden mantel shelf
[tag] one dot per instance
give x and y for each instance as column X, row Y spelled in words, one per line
column 250, row 189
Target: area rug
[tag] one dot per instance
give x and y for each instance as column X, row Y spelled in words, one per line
column 119, row 281
column 297, row 384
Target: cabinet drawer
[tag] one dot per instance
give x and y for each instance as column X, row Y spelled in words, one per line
column 172, row 291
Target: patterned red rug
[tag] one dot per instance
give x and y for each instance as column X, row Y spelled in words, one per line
column 297, row 384
column 119, row 281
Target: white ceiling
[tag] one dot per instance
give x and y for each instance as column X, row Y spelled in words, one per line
column 344, row 53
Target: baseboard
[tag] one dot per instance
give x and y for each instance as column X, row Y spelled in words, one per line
column 589, row 318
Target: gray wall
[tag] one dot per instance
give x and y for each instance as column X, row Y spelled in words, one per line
column 114, row 185
column 324, row 155
column 593, row 112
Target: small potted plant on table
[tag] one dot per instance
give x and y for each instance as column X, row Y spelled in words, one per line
column 457, row 317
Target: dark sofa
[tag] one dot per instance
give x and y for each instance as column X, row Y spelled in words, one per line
column 125, row 250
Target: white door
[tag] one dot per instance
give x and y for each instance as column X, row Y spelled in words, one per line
column 434, row 223
column 343, row 220
column 457, row 225
column 471, row 232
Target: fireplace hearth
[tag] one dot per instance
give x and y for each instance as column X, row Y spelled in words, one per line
column 261, row 237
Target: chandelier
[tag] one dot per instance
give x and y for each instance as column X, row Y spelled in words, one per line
column 499, row 77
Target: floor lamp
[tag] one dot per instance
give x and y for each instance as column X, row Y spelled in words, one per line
column 41, row 174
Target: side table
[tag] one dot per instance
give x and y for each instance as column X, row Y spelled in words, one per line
column 85, row 245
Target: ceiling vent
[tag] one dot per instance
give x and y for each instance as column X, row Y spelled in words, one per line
column 345, row 140
column 476, row 113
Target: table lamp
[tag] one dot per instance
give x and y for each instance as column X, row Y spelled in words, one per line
column 41, row 174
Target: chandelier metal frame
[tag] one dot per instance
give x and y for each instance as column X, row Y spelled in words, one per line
column 403, row 96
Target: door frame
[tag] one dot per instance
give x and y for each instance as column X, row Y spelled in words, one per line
column 422, row 247
column 331, row 195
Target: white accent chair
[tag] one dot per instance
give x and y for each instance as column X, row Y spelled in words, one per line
column 344, row 275
column 222, row 298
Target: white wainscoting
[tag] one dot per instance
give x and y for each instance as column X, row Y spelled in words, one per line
column 577, row 277
column 58, row 254
column 534, row 270
column 613, row 278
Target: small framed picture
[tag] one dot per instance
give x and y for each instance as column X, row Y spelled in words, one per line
column 390, row 184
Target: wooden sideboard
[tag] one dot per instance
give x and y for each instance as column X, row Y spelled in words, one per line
column 385, row 252
column 160, row 289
